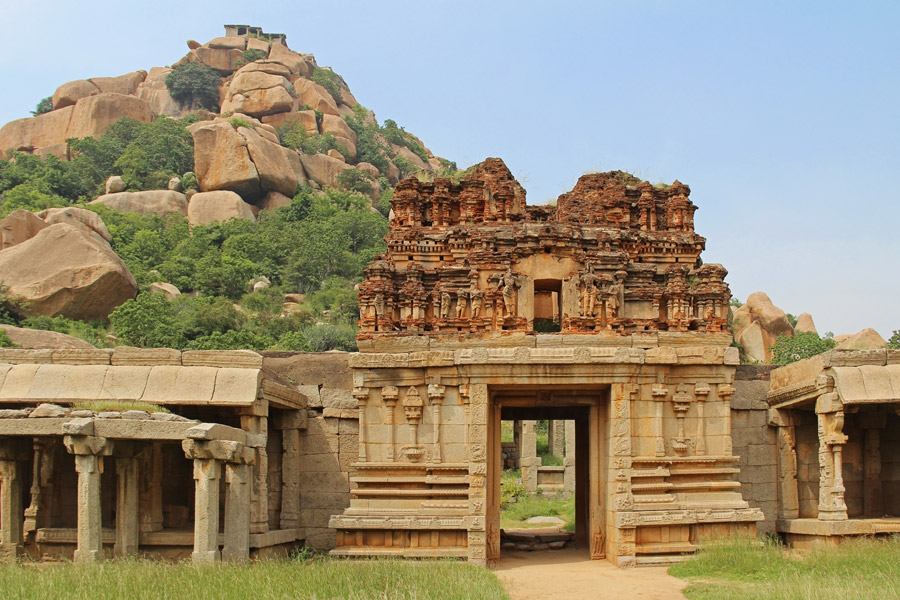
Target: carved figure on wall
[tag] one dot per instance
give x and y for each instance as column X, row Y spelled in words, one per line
column 445, row 304
column 508, row 283
column 477, row 297
column 588, row 285
column 612, row 301
column 461, row 302
column 379, row 304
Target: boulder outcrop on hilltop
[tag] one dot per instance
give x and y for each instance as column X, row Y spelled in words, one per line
column 867, row 339
column 757, row 325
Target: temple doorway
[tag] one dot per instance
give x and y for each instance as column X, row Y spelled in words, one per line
column 584, row 413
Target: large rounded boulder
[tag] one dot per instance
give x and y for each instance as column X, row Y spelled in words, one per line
column 64, row 271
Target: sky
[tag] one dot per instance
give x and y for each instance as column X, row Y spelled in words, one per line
column 783, row 117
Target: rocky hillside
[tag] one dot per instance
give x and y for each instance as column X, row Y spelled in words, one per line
column 228, row 200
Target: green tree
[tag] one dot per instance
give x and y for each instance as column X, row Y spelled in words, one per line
column 44, row 106
column 146, row 321
column 894, row 340
column 193, row 85
column 803, row 345
column 354, row 180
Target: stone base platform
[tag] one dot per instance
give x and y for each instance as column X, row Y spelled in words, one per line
column 805, row 533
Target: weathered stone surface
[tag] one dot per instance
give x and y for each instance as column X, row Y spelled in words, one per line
column 274, row 201
column 323, row 169
column 272, row 162
column 805, row 324
column 217, row 207
column 37, row 338
column 297, row 63
column 62, row 271
column 70, row 93
column 115, row 184
column 174, row 185
column 152, row 202
column 93, row 115
column 86, row 220
column 228, row 43
column 123, row 84
column 369, row 169
column 757, row 325
column 407, row 154
column 223, row 60
column 154, row 92
column 306, row 118
column 221, row 159
column 165, row 288
column 258, row 93
column 315, row 96
column 257, row 44
column 338, row 128
column 867, row 339
column 44, row 134
column 18, row 226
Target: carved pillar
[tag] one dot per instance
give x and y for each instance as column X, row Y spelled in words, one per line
column 436, row 396
column 259, row 506
column 389, row 396
column 237, row 511
column 150, row 470
column 362, row 397
column 569, row 459
column 659, row 394
column 701, row 393
column 289, row 422
column 530, row 461
column 88, row 451
column 127, row 524
column 831, row 477
column 11, row 541
column 681, row 402
column 726, row 391
column 31, row 513
column 788, row 496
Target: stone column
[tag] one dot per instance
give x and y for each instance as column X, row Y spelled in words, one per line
column 127, row 521
column 556, row 438
column 788, row 495
column 150, row 469
column 237, row 512
column 31, row 513
column 206, row 511
column 569, row 460
column 873, row 493
column 389, row 396
column 831, row 475
column 12, row 453
column 530, row 461
column 88, row 451
column 660, row 392
column 259, row 507
column 362, row 398
column 289, row 422
column 436, row 396
column 701, row 394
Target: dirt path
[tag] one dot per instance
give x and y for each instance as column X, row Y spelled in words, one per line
column 570, row 574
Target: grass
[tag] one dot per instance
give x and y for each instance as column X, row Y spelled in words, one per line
column 318, row 578
column 514, row 514
column 118, row 405
column 857, row 569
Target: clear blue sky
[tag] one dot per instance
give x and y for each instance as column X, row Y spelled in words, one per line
column 783, row 117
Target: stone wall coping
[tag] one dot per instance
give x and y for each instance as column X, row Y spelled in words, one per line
column 130, row 356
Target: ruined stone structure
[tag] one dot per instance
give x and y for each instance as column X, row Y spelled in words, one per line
column 838, row 445
column 597, row 310
column 247, row 30
column 86, row 483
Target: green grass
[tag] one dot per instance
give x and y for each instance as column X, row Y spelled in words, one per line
column 857, row 569
column 118, row 405
column 319, row 578
column 514, row 515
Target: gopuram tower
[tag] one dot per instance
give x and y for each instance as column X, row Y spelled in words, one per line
column 597, row 310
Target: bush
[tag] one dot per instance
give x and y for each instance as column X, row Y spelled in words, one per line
column 294, row 135
column 329, row 80
column 355, row 180
column 44, row 106
column 325, row 336
column 253, row 54
column 894, row 340
column 5, row 342
column 193, row 86
column 803, row 345
column 238, row 122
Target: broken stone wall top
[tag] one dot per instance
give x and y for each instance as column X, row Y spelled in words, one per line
column 471, row 258
column 248, row 30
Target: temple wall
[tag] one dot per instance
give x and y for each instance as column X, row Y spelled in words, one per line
column 754, row 442
column 330, row 443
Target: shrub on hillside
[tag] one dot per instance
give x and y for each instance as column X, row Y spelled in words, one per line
column 44, row 106
column 193, row 86
column 329, row 80
column 354, row 180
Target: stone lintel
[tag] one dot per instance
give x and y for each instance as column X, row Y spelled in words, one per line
column 216, row 431
column 289, row 419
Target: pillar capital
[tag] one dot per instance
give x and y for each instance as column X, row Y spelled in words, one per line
column 88, row 445
column 224, row 450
